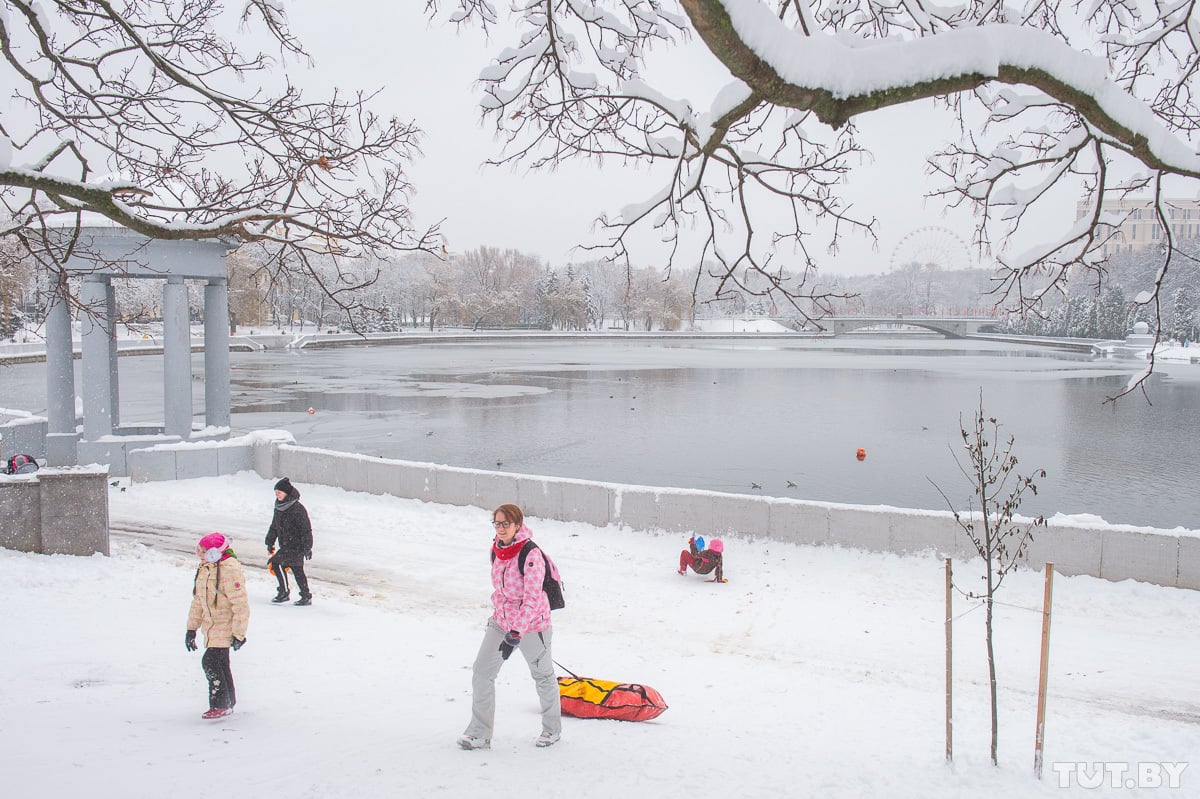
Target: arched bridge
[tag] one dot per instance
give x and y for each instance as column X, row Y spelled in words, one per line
column 949, row 326
column 952, row 326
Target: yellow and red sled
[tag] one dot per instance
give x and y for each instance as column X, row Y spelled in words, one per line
column 588, row 698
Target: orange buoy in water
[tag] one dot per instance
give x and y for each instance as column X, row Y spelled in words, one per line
column 861, row 454
column 313, row 410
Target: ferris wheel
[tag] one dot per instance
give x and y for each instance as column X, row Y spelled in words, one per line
column 932, row 245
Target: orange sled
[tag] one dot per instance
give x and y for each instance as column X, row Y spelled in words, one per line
column 586, row 698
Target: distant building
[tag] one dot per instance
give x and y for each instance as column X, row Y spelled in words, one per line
column 1139, row 227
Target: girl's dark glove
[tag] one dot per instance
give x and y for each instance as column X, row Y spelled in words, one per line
column 189, row 640
column 237, row 643
column 512, row 639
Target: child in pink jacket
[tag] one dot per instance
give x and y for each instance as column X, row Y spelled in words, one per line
column 221, row 608
column 704, row 561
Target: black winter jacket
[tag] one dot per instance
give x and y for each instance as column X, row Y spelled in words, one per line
column 291, row 526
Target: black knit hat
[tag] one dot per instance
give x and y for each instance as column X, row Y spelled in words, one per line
column 284, row 485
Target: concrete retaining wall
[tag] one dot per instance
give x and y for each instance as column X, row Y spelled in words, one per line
column 22, row 434
column 182, row 460
column 1114, row 553
column 55, row 511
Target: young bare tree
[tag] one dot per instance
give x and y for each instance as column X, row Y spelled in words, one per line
column 163, row 117
column 1001, row 541
column 1092, row 101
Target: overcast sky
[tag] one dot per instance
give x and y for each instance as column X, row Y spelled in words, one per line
column 427, row 74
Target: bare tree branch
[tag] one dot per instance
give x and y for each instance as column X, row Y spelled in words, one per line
column 151, row 115
column 1051, row 98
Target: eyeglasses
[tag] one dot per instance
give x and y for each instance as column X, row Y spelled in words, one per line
column 502, row 524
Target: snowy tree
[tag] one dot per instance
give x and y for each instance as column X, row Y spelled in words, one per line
column 562, row 302
column 1183, row 315
column 15, row 281
column 166, row 118
column 592, row 308
column 606, row 282
column 440, row 289
column 138, row 301
column 248, row 283
column 493, row 285
column 660, row 303
column 405, row 283
column 1096, row 102
column 1111, row 313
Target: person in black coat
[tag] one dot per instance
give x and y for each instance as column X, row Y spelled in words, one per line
column 292, row 529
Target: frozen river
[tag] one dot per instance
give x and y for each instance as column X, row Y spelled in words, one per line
column 725, row 415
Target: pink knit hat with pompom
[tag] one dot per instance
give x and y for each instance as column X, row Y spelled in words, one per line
column 716, row 545
column 212, row 541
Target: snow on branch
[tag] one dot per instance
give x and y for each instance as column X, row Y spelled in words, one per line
column 1050, row 100
column 154, row 117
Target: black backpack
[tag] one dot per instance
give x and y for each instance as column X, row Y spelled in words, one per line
column 22, row 464
column 552, row 587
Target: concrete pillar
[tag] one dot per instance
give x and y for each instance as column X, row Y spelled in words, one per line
column 61, row 436
column 95, row 329
column 177, row 360
column 114, row 389
column 216, row 353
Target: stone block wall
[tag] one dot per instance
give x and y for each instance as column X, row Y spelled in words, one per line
column 21, row 510
column 56, row 511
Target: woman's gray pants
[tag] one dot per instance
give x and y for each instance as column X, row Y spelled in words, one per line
column 535, row 647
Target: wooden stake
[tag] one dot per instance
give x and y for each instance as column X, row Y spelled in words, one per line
column 949, row 664
column 1040, row 735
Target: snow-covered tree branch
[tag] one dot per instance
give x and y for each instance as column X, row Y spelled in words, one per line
column 1094, row 102
column 164, row 117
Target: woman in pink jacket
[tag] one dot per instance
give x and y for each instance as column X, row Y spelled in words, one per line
column 221, row 609
column 520, row 620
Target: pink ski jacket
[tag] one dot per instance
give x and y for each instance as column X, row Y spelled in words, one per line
column 519, row 603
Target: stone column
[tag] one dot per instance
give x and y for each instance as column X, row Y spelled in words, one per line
column 177, row 360
column 61, row 436
column 216, row 353
column 114, row 389
column 95, row 329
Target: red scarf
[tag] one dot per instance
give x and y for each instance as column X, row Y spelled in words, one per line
column 505, row 553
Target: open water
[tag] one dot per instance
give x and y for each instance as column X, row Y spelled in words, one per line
column 786, row 415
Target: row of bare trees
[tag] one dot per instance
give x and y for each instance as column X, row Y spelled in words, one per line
column 482, row 288
column 492, row 288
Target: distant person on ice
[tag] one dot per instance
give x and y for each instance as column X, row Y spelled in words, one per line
column 520, row 620
column 221, row 609
column 292, row 529
column 704, row 561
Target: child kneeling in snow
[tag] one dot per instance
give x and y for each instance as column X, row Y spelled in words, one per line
column 221, row 608
column 703, row 561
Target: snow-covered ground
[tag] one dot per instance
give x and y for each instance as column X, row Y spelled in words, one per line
column 1174, row 351
column 813, row 672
